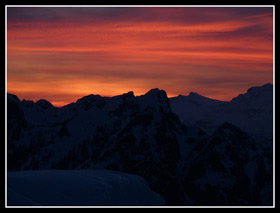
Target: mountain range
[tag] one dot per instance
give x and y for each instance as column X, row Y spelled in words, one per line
column 251, row 112
column 192, row 150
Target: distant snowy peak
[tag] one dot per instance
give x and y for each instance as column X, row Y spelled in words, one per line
column 196, row 98
column 265, row 88
column 195, row 95
column 259, row 93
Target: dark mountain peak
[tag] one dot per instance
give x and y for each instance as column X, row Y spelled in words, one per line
column 14, row 100
column 223, row 168
column 89, row 101
column 128, row 97
column 234, row 142
column 228, row 130
column 89, row 98
column 156, row 97
column 44, row 104
column 129, row 94
column 12, row 97
column 155, row 92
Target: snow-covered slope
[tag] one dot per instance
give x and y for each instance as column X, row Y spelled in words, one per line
column 79, row 188
column 195, row 110
column 225, row 165
column 252, row 112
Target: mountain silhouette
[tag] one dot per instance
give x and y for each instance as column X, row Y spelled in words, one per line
column 151, row 136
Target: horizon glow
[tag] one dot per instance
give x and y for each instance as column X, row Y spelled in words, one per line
column 64, row 53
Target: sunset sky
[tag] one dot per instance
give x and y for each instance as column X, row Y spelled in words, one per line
column 64, row 53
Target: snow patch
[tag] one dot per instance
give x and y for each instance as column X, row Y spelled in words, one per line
column 79, row 188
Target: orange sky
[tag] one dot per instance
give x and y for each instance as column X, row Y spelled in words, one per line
column 62, row 54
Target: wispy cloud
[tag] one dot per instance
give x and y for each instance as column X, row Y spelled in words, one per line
column 114, row 50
